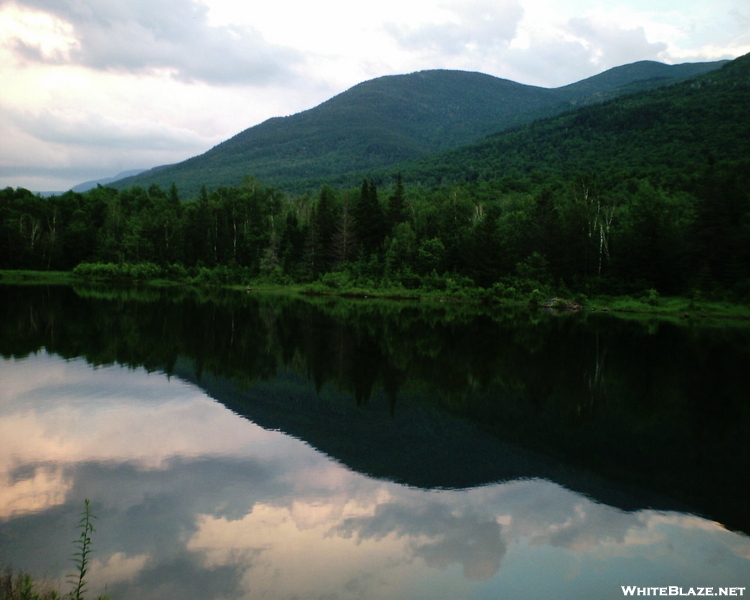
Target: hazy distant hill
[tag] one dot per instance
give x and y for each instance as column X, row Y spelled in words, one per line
column 87, row 185
column 393, row 119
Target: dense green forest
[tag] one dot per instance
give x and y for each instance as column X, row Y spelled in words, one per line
column 588, row 233
column 663, row 134
column 644, row 193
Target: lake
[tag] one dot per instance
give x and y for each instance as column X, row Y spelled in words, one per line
column 236, row 445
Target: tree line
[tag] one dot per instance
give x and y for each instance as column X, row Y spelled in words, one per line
column 592, row 233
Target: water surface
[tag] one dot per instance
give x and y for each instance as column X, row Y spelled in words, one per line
column 256, row 447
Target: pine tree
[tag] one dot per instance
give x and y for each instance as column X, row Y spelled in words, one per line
column 483, row 256
column 369, row 219
column 291, row 244
column 397, row 205
column 344, row 243
column 321, row 232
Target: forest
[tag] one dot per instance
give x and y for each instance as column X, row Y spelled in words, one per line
column 585, row 234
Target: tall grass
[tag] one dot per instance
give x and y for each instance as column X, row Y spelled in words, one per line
column 22, row 586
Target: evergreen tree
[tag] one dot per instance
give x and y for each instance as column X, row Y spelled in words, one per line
column 173, row 196
column 369, row 219
column 344, row 242
column 291, row 245
column 397, row 205
column 483, row 252
column 321, row 232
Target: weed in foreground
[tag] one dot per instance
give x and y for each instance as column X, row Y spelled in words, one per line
column 22, row 586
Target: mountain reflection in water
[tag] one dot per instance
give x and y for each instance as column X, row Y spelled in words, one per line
column 388, row 451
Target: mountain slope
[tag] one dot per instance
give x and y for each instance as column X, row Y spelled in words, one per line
column 373, row 124
column 635, row 77
column 389, row 120
column 666, row 129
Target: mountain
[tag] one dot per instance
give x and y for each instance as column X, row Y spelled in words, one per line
column 88, row 185
column 636, row 77
column 390, row 120
column 665, row 129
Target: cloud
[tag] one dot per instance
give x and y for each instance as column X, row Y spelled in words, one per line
column 165, row 37
column 94, row 130
column 437, row 534
column 610, row 45
column 558, row 49
column 530, row 43
column 40, row 490
column 72, row 145
column 477, row 28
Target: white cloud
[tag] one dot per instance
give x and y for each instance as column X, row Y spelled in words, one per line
column 45, row 488
column 78, row 145
column 96, row 131
column 610, row 44
column 478, row 27
column 154, row 37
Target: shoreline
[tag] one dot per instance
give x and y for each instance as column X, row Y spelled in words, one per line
column 667, row 307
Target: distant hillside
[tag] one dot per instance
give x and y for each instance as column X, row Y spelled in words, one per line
column 390, row 120
column 663, row 130
column 88, row 185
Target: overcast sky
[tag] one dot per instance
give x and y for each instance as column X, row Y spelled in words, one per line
column 91, row 88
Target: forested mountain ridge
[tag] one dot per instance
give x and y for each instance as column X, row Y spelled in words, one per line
column 660, row 131
column 638, row 76
column 393, row 119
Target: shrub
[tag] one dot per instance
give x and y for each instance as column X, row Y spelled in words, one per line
column 175, row 272
column 581, row 299
column 335, row 280
column 433, row 281
column 651, row 297
column 458, row 283
column 536, row 298
column 411, row 281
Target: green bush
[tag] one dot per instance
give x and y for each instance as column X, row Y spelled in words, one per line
column 536, row 298
column 175, row 272
column 651, row 297
column 433, row 281
column 458, row 283
column 335, row 280
column 276, row 277
column 410, row 281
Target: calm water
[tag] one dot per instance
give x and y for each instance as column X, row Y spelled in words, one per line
column 256, row 447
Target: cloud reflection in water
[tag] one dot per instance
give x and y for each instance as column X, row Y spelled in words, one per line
column 196, row 502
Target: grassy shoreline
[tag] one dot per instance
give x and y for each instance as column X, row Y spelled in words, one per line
column 667, row 307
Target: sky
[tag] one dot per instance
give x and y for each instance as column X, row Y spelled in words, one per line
column 91, row 88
